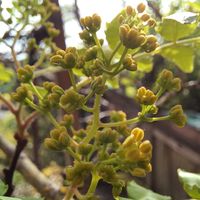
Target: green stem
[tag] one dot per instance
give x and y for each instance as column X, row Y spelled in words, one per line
column 32, row 105
column 114, row 52
column 72, row 78
column 99, row 45
column 159, row 93
column 87, row 109
column 126, row 122
column 121, row 60
column 155, row 119
column 93, row 184
column 170, row 44
column 95, row 125
column 74, row 155
column 35, row 90
column 52, row 119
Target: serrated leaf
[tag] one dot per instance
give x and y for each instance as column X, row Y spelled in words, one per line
column 3, row 187
column 190, row 182
column 182, row 56
column 112, row 32
column 178, row 25
column 137, row 192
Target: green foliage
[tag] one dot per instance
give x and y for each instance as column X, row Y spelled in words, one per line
column 190, row 182
column 5, row 74
column 137, row 192
column 3, row 187
column 178, row 25
column 182, row 56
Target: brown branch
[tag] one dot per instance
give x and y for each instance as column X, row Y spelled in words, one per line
column 8, row 104
column 31, row 173
column 77, row 13
column 9, row 173
column 29, row 120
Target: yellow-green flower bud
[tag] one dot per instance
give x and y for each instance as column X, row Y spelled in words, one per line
column 132, row 155
column 145, row 97
column 141, row 7
column 98, row 85
column 107, row 136
column 129, row 63
column 84, row 149
column 167, row 81
column 60, row 52
column 107, row 172
column 71, row 101
column 91, row 53
column 150, row 43
column 63, row 139
column 67, row 121
column 145, row 147
column 55, row 133
column 96, row 21
column 52, row 144
column 53, row 32
column 57, row 89
column 129, row 10
column 21, row 93
column 116, row 116
column 57, row 60
column 70, row 60
column 177, row 115
column 145, row 17
column 129, row 142
column 148, row 168
column 151, row 22
column 25, row 74
column 138, row 134
column 138, row 172
column 153, row 110
column 53, row 99
column 48, row 85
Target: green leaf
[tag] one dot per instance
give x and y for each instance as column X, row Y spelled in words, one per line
column 145, row 64
column 190, row 182
column 178, row 25
column 9, row 198
column 114, row 82
column 122, row 198
column 137, row 192
column 112, row 32
column 182, row 56
column 5, row 74
column 3, row 187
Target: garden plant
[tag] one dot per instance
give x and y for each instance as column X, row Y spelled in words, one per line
column 101, row 150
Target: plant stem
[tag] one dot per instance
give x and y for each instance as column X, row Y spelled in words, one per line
column 35, row 90
column 72, row 78
column 155, row 119
column 115, row 51
column 95, row 125
column 170, row 44
column 125, row 122
column 93, row 184
column 100, row 47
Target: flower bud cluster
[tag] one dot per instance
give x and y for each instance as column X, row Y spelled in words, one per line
column 59, row 139
column 21, row 94
column 67, row 121
column 66, row 59
column 137, row 152
column 145, row 97
column 167, row 81
column 51, row 30
column 98, row 85
column 131, row 37
column 79, row 172
column 25, row 74
column 177, row 115
column 150, row 44
column 52, row 98
column 129, row 63
column 71, row 100
column 91, row 23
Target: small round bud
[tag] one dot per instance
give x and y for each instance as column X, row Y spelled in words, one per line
column 121, row 19
column 84, row 149
column 141, row 8
column 91, row 53
column 70, row 60
column 151, row 22
column 145, row 147
column 63, row 139
column 52, row 144
column 177, row 115
column 129, row 10
column 67, row 121
column 138, row 172
column 138, row 134
column 145, row 17
column 25, row 74
column 48, row 85
column 146, row 97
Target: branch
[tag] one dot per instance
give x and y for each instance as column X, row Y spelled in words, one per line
column 31, row 173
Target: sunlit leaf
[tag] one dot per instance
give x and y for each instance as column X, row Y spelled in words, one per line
column 182, row 56
column 178, row 25
column 137, row 192
column 3, row 187
column 190, row 182
column 112, row 32
column 5, row 74
column 145, row 64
